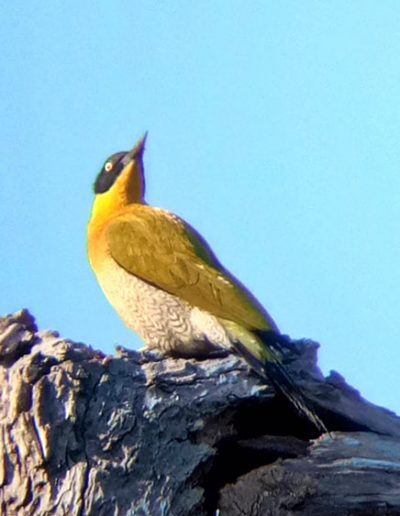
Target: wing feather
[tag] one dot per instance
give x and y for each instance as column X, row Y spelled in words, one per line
column 165, row 251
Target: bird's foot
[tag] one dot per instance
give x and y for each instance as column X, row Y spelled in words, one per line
column 152, row 354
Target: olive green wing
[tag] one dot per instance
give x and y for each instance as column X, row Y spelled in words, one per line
column 163, row 250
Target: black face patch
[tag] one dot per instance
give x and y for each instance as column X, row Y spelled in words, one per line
column 109, row 173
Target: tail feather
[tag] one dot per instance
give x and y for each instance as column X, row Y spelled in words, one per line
column 271, row 368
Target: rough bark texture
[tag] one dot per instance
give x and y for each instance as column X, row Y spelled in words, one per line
column 88, row 434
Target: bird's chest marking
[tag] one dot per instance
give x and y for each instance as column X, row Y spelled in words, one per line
column 159, row 318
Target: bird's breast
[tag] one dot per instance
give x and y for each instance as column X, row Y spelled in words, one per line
column 162, row 320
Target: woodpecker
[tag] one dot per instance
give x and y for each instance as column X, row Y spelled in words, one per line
column 168, row 286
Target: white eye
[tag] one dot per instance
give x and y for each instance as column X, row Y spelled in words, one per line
column 108, row 166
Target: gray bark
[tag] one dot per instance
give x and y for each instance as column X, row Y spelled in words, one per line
column 87, row 434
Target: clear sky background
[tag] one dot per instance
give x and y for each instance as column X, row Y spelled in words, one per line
column 274, row 129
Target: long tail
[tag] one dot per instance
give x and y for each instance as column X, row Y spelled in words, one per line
column 262, row 352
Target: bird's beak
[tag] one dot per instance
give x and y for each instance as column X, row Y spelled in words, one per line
column 137, row 150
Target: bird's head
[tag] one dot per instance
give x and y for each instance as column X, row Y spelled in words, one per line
column 120, row 181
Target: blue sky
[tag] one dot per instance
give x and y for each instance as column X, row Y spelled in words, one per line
column 274, row 129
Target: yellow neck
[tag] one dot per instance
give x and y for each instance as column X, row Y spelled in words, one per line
column 127, row 189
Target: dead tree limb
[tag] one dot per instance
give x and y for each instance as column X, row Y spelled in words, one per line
column 138, row 434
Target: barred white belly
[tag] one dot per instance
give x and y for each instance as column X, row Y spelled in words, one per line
column 161, row 319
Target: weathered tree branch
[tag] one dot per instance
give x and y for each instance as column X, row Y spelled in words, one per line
column 88, row 434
